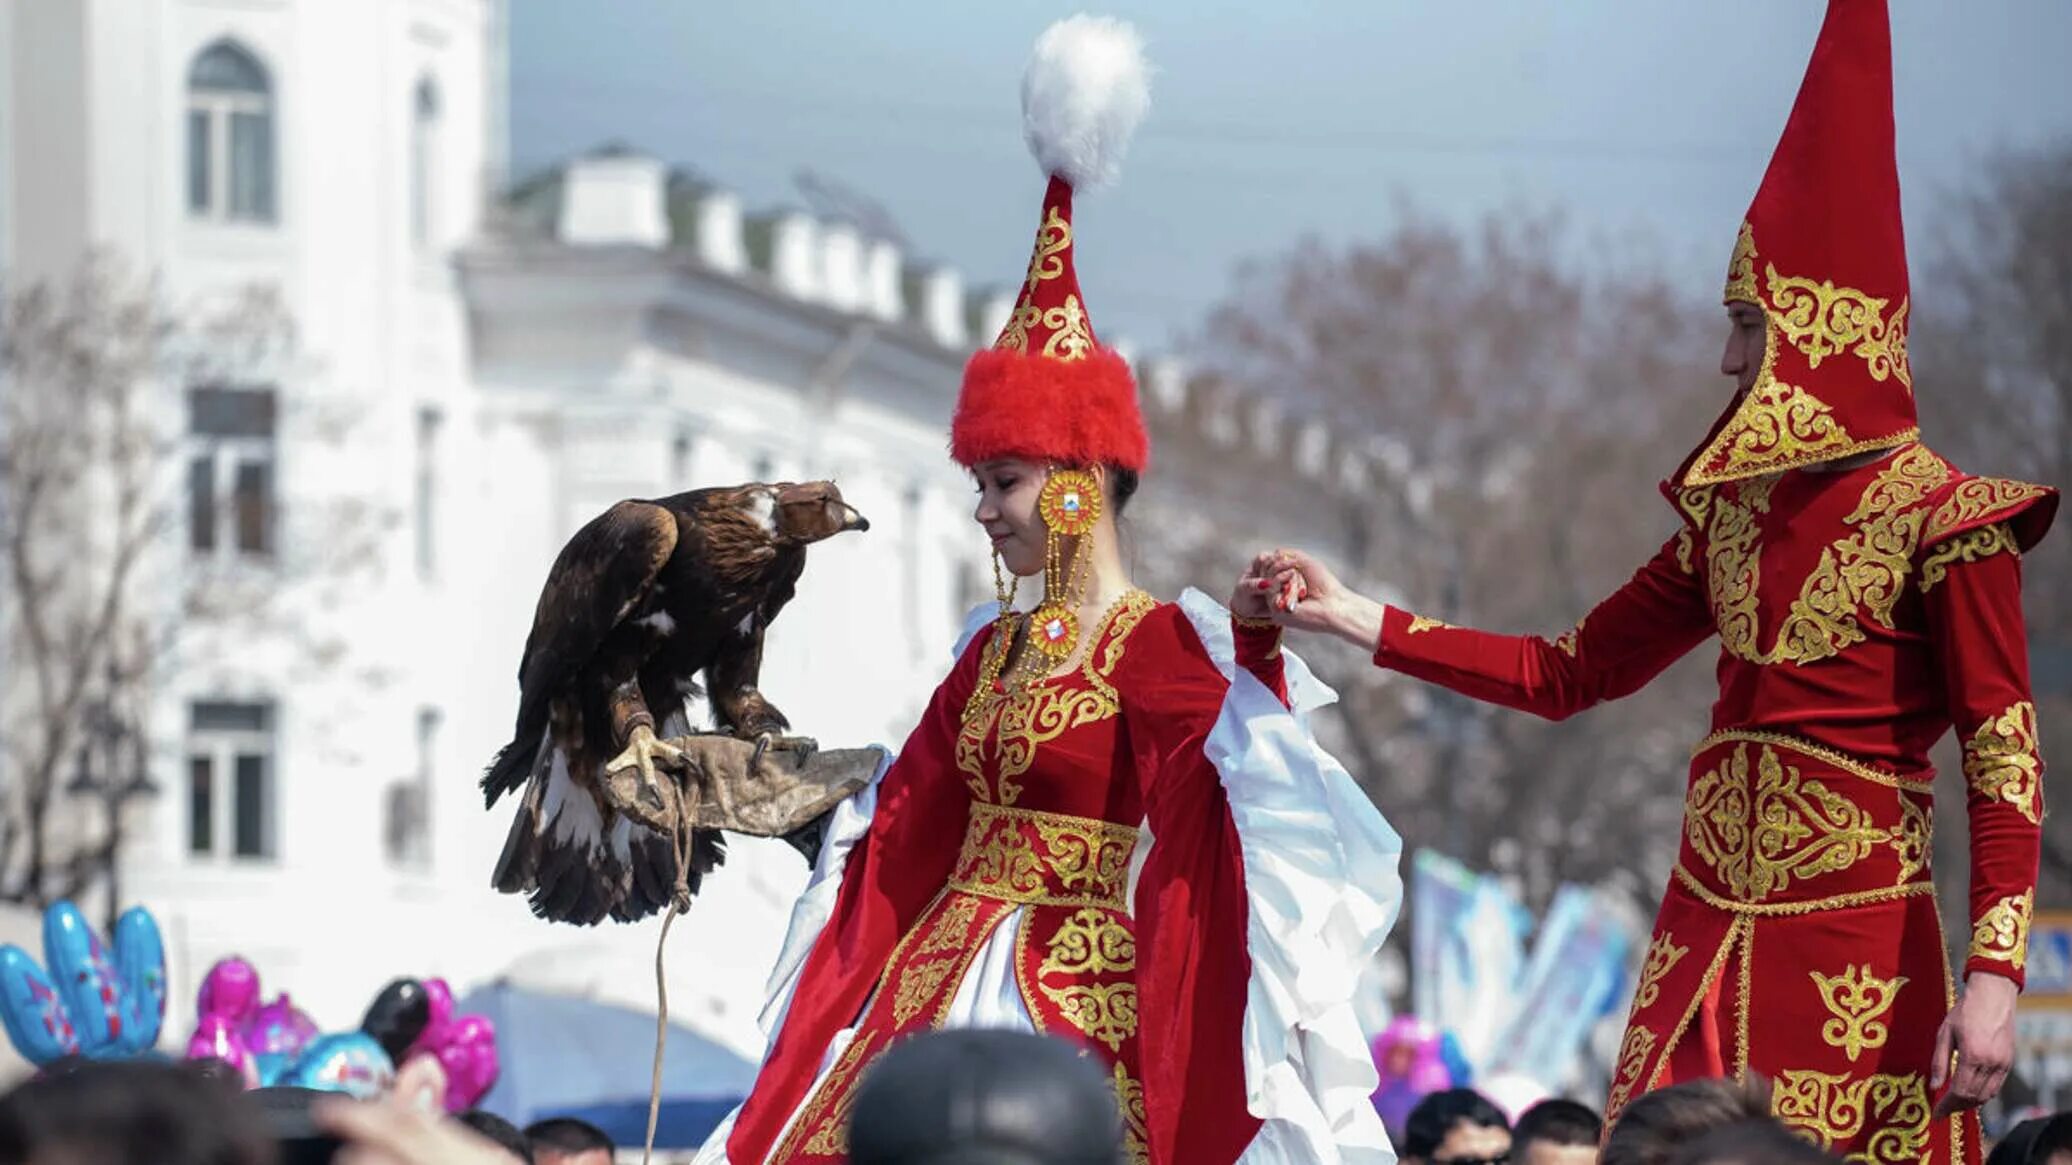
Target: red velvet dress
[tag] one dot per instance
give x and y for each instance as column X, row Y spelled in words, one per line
column 1015, row 813
column 1861, row 615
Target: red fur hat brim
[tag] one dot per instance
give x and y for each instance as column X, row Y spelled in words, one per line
column 1082, row 412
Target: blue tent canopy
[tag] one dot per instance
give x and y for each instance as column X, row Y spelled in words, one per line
column 563, row 1056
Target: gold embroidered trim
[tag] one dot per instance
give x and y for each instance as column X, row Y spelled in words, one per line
column 1136, row 1133
column 1251, row 624
column 1835, row 1108
column 1835, row 757
column 1663, row 955
column 1823, row 320
column 2002, row 932
column 1053, row 239
column 1740, row 928
column 1970, row 546
column 1761, row 831
column 1044, row 859
column 829, row 1131
column 1859, row 1001
column 1690, row 882
column 1632, row 1060
column 1571, row 637
column 1741, row 270
column 2002, row 761
column 1683, row 550
column 1858, row 577
column 1974, row 498
column 1420, row 624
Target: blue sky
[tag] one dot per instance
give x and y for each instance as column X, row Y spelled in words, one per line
column 1647, row 123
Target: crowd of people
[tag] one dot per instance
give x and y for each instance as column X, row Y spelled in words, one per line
column 951, row 1098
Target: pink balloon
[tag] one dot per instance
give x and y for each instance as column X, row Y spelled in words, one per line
column 279, row 1026
column 230, row 989
column 470, row 1059
column 216, row 1038
column 438, row 1029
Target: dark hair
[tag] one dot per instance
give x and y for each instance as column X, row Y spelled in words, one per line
column 985, row 1097
column 131, row 1112
column 1654, row 1126
column 1437, row 1114
column 1752, row 1142
column 567, row 1135
column 498, row 1129
column 2033, row 1141
column 1122, row 486
column 1557, row 1122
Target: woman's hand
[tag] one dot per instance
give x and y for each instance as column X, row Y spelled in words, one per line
column 1304, row 595
column 1264, row 592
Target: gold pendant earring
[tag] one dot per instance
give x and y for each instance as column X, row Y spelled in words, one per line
column 1004, row 589
column 1070, row 504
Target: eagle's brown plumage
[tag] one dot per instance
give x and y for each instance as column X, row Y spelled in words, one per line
column 640, row 601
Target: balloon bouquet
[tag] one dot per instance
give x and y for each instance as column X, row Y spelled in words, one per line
column 101, row 1007
column 1410, row 1059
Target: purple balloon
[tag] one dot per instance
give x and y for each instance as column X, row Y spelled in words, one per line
column 470, row 1059
column 231, row 990
column 279, row 1027
column 437, row 1030
column 216, row 1038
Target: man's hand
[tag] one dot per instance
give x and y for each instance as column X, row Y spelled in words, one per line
column 387, row 1133
column 1316, row 601
column 1980, row 1032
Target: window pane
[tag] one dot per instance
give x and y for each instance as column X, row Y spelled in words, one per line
column 198, row 161
column 224, row 716
column 201, row 805
column 251, row 166
column 214, row 411
column 201, row 503
column 226, row 68
column 252, row 810
column 254, row 500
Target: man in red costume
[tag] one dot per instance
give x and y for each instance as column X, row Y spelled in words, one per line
column 1867, row 598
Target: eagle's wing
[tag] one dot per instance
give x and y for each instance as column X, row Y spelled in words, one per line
column 598, row 579
column 735, row 674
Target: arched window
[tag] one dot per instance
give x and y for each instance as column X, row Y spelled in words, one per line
column 230, row 154
column 424, row 160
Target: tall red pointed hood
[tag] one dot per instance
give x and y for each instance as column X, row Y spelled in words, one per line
column 1823, row 254
column 1047, row 390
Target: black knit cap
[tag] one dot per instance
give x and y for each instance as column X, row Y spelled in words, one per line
column 985, row 1098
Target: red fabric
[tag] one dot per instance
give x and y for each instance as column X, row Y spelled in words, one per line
column 892, row 873
column 1828, row 212
column 1033, row 407
column 1046, row 390
column 1854, row 635
column 1191, row 965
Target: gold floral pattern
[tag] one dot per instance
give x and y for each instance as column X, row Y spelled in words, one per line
column 918, row 985
column 1834, row 1108
column 1759, row 834
column 1970, row 546
column 1053, row 239
column 1976, row 497
column 1419, row 624
column 1136, row 1132
column 1571, row 638
column 1778, row 424
column 826, row 1117
column 1634, row 1050
column 1823, row 320
column 1663, row 955
column 1859, row 1001
column 1093, row 942
column 1090, row 942
column 1106, row 1012
column 2002, row 761
column 951, row 927
column 1741, row 270
column 1683, row 550
column 1051, row 859
column 2002, row 932
column 1861, row 576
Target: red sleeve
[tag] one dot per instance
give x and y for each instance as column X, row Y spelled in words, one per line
column 891, row 876
column 1624, row 642
column 1259, row 652
column 1192, row 966
column 1972, row 585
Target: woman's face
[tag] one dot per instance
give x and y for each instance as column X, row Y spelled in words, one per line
column 1007, row 493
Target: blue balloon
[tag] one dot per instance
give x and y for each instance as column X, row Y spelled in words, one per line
column 34, row 1013
column 140, row 961
column 270, row 1067
column 1456, row 1061
column 85, row 978
column 350, row 1062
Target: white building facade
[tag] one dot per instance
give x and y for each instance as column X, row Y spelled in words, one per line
column 613, row 333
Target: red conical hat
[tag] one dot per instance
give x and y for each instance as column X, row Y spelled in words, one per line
column 1822, row 253
column 1047, row 390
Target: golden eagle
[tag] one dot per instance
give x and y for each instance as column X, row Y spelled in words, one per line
column 642, row 599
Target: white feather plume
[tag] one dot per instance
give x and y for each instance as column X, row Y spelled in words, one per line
column 1086, row 88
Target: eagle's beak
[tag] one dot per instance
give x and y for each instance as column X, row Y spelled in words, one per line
column 852, row 520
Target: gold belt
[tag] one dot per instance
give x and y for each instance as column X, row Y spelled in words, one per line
column 1044, row 859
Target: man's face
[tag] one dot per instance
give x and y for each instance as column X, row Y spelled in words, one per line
column 1747, row 336
column 1545, row 1153
column 586, row 1157
column 1467, row 1143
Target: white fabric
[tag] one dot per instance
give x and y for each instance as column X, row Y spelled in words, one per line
column 1322, row 890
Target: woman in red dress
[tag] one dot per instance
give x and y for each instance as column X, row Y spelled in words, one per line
column 985, row 879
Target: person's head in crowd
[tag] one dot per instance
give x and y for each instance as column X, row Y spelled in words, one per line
column 503, row 1132
column 985, row 1098
column 2043, row 1141
column 133, row 1112
column 1654, row 1126
column 1752, row 1142
column 1456, row 1127
column 564, row 1140
column 1557, row 1132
